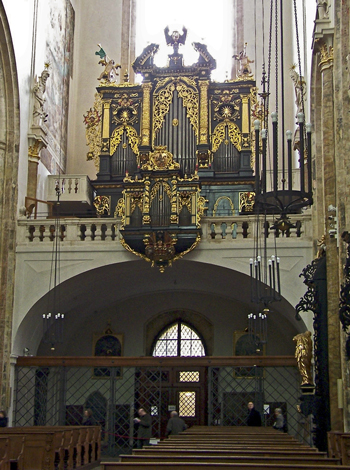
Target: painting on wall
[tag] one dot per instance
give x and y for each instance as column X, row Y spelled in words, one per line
column 107, row 344
column 244, row 345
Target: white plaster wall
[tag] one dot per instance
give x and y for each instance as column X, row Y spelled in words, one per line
column 21, row 26
column 135, row 280
column 256, row 34
column 95, row 23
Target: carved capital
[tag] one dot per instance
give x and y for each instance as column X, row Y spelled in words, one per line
column 326, row 54
column 34, row 148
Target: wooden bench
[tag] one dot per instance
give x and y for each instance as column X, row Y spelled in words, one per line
column 211, row 450
column 214, row 466
column 54, row 447
column 232, row 446
column 229, row 430
column 155, row 450
column 4, row 454
column 282, row 459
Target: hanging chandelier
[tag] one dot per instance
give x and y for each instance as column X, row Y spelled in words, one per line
column 276, row 194
column 53, row 318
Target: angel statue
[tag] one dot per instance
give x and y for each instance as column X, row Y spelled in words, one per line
column 244, row 70
column 303, row 354
column 175, row 38
column 110, row 67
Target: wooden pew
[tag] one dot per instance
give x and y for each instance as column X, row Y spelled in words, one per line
column 54, row 447
column 244, row 440
column 40, row 446
column 155, row 450
column 214, row 466
column 247, row 446
column 216, row 449
column 282, row 459
column 229, row 429
column 4, row 454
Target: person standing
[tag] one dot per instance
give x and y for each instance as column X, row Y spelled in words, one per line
column 88, row 419
column 254, row 418
column 3, row 419
column 279, row 423
column 175, row 424
column 144, row 432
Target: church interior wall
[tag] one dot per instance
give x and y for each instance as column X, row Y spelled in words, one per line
column 91, row 29
column 226, row 315
column 129, row 317
column 21, row 27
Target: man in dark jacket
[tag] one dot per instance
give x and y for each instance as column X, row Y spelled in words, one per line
column 144, row 432
column 254, row 418
column 175, row 424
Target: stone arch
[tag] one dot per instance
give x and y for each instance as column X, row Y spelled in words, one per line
column 201, row 324
column 9, row 158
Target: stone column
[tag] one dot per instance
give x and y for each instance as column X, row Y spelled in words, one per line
column 128, row 38
column 329, row 179
column 35, row 145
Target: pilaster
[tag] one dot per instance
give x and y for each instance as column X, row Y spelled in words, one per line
column 329, row 173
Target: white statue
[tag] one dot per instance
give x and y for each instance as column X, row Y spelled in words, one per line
column 39, row 115
column 299, row 88
column 244, row 70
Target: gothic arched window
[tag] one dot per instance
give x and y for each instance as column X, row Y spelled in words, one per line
column 178, row 339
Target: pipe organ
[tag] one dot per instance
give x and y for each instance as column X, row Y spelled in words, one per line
column 171, row 149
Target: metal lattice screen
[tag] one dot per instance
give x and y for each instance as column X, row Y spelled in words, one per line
column 59, row 395
column 232, row 388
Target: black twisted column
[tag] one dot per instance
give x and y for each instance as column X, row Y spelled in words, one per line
column 315, row 300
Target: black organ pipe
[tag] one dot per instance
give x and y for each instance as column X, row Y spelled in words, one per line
column 257, row 156
column 309, row 177
column 179, row 140
column 301, row 151
column 289, row 159
column 275, row 151
column 264, row 169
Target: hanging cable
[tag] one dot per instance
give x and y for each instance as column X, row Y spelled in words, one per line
column 282, row 99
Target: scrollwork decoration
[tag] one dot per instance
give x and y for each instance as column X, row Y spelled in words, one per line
column 102, row 205
column 218, row 135
column 93, row 124
column 132, row 136
column 344, row 301
column 163, row 96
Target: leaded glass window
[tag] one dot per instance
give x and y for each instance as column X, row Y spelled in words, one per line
column 179, row 339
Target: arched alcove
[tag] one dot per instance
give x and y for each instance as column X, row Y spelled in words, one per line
column 138, row 301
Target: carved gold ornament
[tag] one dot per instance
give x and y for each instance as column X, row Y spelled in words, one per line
column 136, row 201
column 163, row 97
column 227, row 107
column 116, row 138
column 201, row 208
column 246, row 201
column 102, row 205
column 120, row 210
column 93, row 124
column 125, row 111
column 234, row 133
column 160, row 159
column 326, row 53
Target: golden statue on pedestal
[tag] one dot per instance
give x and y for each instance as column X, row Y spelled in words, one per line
column 303, row 354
